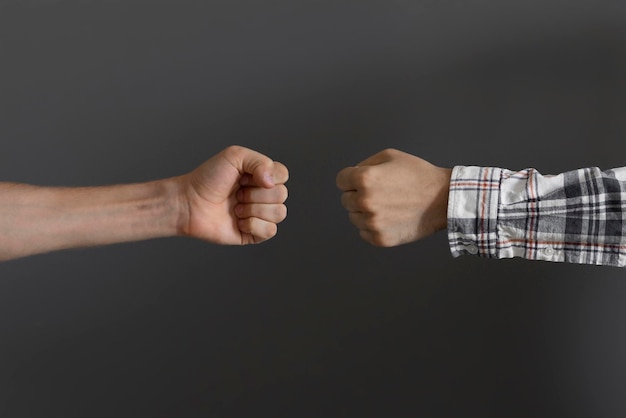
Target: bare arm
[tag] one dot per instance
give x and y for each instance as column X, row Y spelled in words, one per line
column 236, row 197
column 38, row 219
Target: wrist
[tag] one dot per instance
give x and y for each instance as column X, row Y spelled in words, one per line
column 173, row 195
column 442, row 199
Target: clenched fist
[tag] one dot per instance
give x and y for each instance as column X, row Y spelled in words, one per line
column 236, row 197
column 395, row 198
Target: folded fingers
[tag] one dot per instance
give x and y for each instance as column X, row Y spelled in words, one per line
column 277, row 194
column 256, row 230
column 270, row 212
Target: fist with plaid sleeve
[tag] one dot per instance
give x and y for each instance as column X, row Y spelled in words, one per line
column 394, row 198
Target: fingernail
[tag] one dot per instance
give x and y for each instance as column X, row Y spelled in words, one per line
column 269, row 179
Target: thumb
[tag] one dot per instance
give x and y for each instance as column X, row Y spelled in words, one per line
column 248, row 161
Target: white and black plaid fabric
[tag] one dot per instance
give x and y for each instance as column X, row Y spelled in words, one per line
column 576, row 217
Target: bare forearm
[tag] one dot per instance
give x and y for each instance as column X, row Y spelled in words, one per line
column 40, row 219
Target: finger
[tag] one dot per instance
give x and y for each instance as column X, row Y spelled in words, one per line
column 358, row 219
column 259, row 229
column 367, row 236
column 375, row 238
column 346, row 179
column 280, row 175
column 248, row 161
column 277, row 194
column 350, row 201
column 268, row 212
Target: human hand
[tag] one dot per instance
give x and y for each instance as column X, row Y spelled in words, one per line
column 395, row 198
column 236, row 197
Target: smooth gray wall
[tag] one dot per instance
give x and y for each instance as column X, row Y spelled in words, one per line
column 314, row 323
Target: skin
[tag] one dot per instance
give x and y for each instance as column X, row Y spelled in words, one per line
column 395, row 198
column 235, row 198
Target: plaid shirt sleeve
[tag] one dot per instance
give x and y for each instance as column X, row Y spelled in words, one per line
column 575, row 217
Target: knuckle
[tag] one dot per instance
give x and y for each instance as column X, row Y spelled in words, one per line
column 283, row 171
column 377, row 240
column 373, row 223
column 282, row 212
column 284, row 193
column 234, row 150
column 270, row 230
column 381, row 239
column 365, row 202
column 389, row 152
column 363, row 177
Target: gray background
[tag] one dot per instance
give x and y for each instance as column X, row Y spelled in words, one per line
column 314, row 323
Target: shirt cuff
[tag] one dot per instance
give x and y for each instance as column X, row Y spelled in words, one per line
column 473, row 211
